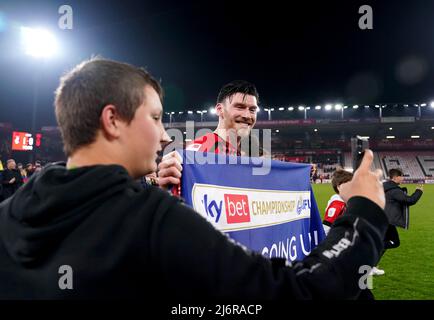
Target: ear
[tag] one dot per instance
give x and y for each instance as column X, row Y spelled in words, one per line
column 110, row 122
column 219, row 109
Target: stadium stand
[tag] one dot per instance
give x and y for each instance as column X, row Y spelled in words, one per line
column 427, row 164
column 404, row 160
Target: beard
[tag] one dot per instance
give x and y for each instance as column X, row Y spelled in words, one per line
column 243, row 132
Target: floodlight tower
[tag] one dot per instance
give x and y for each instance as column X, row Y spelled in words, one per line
column 39, row 44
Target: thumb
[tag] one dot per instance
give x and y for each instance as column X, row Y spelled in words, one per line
column 366, row 163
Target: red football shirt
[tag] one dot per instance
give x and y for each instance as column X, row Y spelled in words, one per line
column 335, row 208
column 212, row 142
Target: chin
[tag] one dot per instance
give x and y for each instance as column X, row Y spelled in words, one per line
column 243, row 132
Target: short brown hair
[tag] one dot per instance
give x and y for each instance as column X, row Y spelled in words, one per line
column 340, row 177
column 88, row 88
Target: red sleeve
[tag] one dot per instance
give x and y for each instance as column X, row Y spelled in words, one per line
column 333, row 211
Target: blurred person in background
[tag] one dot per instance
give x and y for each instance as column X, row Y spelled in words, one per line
column 11, row 179
column 23, row 172
column 29, row 170
column 397, row 209
column 336, row 205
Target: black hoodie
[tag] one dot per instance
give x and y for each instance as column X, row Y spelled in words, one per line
column 397, row 203
column 123, row 241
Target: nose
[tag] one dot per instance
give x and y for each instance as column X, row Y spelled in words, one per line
column 165, row 138
column 246, row 114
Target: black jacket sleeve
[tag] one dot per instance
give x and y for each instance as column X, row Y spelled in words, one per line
column 399, row 196
column 196, row 261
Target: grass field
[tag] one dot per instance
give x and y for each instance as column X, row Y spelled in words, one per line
column 410, row 267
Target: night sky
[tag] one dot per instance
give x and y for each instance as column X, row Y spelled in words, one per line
column 312, row 53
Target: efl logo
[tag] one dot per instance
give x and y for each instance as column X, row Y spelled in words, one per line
column 237, row 208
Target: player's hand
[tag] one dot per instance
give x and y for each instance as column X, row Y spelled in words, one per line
column 365, row 183
column 169, row 170
column 420, row 187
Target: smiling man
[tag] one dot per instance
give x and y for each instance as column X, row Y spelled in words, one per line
column 237, row 106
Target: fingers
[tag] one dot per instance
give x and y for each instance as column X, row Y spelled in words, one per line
column 165, row 182
column 169, row 172
column 170, row 162
column 366, row 163
column 172, row 154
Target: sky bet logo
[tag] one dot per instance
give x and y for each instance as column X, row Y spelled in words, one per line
column 236, row 207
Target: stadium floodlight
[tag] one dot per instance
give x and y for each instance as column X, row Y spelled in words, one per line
column 416, row 105
column 364, row 137
column 190, row 112
column 170, row 114
column 390, row 137
column 366, row 106
column 338, row 106
column 204, row 111
column 355, row 106
column 290, row 108
column 39, row 43
column 258, row 109
column 406, row 105
column 300, row 108
column 277, row 131
column 390, row 128
column 432, row 104
column 345, row 107
column 432, row 128
column 328, row 107
column 281, row 109
column 318, row 108
column 377, row 106
column 316, row 130
column 423, row 105
column 181, row 112
column 272, row 109
column 212, row 110
column 415, row 137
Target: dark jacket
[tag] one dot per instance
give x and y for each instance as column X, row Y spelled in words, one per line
column 10, row 188
column 125, row 241
column 397, row 203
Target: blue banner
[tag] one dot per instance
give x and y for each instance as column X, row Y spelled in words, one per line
column 266, row 205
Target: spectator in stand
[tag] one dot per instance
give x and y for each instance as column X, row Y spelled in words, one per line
column 11, row 179
column 336, row 205
column 38, row 166
column 23, row 172
column 29, row 170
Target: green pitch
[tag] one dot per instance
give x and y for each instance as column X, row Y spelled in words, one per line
column 410, row 267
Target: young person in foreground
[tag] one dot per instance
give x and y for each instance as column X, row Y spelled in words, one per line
column 124, row 241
